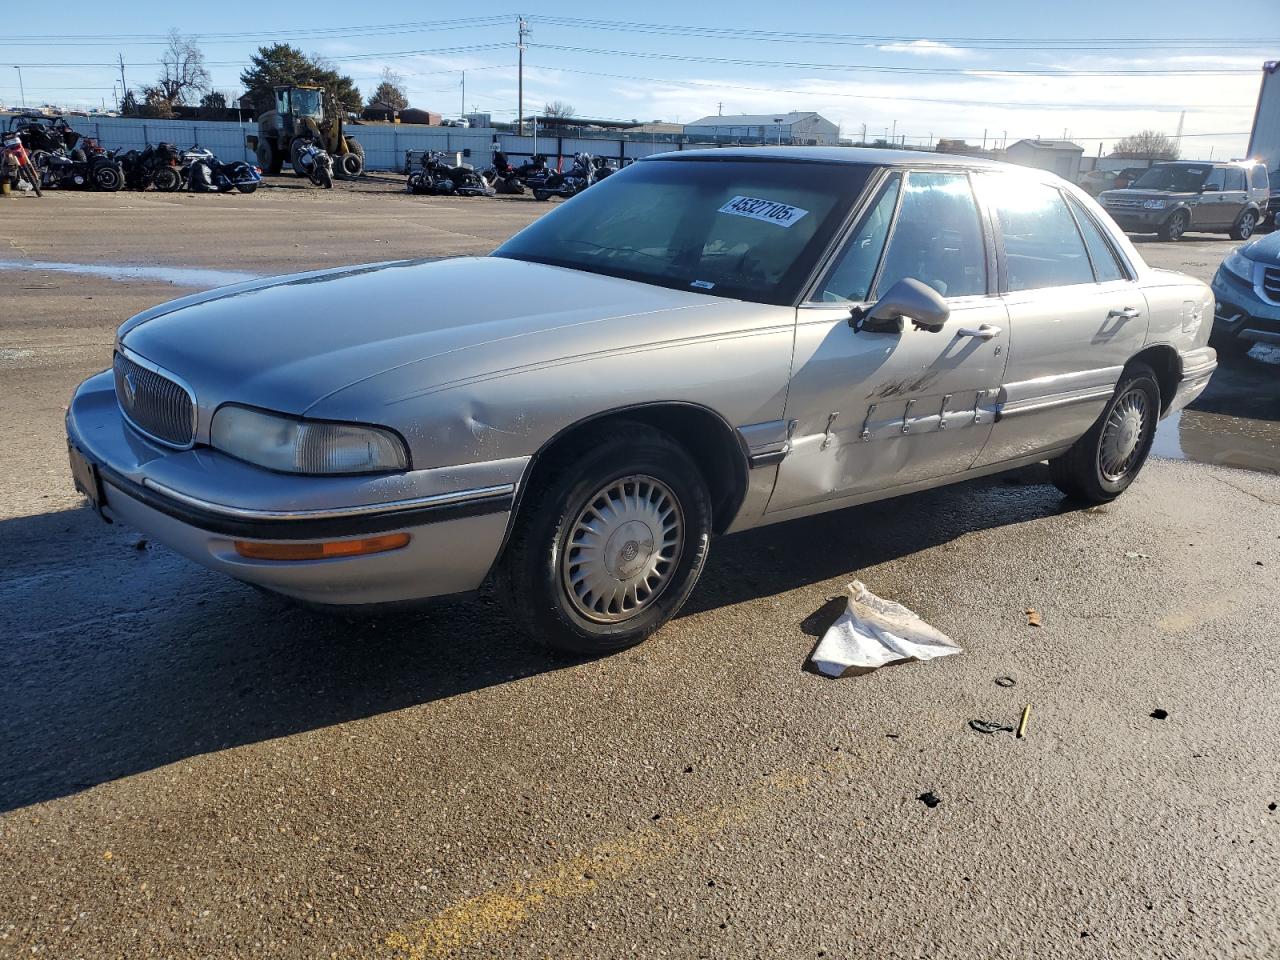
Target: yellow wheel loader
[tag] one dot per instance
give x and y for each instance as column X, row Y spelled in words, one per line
column 302, row 113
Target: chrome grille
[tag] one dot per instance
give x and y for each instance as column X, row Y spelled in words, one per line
column 155, row 404
column 1271, row 283
column 1118, row 202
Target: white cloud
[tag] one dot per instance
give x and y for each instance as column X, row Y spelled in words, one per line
column 926, row 48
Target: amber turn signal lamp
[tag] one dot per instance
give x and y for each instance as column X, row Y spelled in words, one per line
column 255, row 550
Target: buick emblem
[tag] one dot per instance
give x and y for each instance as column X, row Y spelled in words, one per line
column 130, row 389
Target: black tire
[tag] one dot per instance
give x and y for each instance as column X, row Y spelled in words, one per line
column 247, row 187
column 295, row 148
column 351, row 164
column 534, row 570
column 1173, row 228
column 1245, row 226
column 32, row 176
column 167, row 180
column 324, row 178
column 269, row 158
column 1080, row 473
column 107, row 176
column 542, row 195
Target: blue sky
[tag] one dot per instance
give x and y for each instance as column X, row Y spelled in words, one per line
column 925, row 70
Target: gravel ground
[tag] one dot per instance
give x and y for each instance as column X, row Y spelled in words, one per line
column 190, row 769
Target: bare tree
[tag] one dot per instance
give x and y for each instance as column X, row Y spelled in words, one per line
column 390, row 92
column 557, row 110
column 1146, row 145
column 182, row 71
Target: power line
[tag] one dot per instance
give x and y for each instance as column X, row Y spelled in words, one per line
column 712, row 84
column 854, row 67
column 307, row 33
column 972, row 43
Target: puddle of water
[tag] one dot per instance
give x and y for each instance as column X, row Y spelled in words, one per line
column 179, row 276
column 1217, row 438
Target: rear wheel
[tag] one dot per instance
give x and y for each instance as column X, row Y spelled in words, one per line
column 609, row 541
column 106, row 176
column 1175, row 226
column 542, row 194
column 247, row 187
column 269, row 158
column 1244, row 227
column 167, row 180
column 1101, row 464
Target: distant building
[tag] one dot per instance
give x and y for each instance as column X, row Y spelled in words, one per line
column 414, row 115
column 808, row 129
column 1057, row 156
column 658, row 127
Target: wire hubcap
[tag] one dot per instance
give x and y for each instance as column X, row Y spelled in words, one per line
column 1122, row 435
column 622, row 550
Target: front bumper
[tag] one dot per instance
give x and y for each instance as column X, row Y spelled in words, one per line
column 199, row 502
column 1242, row 312
column 1138, row 220
column 1197, row 368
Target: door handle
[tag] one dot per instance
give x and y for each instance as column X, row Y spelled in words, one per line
column 986, row 331
column 1127, row 313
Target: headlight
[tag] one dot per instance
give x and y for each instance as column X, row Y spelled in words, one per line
column 290, row 445
column 1240, row 265
column 1153, row 204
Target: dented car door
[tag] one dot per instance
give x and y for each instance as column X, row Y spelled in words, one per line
column 871, row 409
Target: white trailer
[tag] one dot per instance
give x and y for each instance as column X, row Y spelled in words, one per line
column 1264, row 141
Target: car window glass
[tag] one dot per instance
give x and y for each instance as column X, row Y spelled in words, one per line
column 742, row 228
column 1235, row 179
column 1042, row 246
column 1105, row 265
column 1177, row 177
column 850, row 278
column 1258, row 177
column 1215, row 180
column 937, row 238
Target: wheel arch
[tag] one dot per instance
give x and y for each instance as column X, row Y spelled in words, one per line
column 714, row 445
column 1167, row 364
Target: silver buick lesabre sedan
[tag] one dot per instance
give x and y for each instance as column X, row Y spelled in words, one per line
column 705, row 342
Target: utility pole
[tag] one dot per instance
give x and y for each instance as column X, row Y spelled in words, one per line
column 720, row 109
column 523, row 32
column 895, row 132
column 124, row 87
column 21, row 88
column 464, row 94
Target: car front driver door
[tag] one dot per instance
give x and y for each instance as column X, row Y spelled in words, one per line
column 874, row 408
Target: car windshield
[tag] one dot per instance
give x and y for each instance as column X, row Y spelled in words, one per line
column 306, row 103
column 1174, row 177
column 741, row 228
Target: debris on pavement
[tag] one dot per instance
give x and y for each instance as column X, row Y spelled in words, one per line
column 1033, row 617
column 1005, row 681
column 1159, row 714
column 990, row 726
column 929, row 799
column 1266, row 352
column 1022, row 724
column 1135, row 555
column 140, row 544
column 872, row 632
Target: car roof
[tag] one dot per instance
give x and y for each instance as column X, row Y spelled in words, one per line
column 866, row 155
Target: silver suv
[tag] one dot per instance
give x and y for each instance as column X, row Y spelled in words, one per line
column 1172, row 198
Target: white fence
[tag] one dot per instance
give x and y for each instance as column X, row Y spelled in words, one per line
column 384, row 143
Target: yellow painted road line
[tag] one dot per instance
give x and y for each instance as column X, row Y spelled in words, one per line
column 499, row 912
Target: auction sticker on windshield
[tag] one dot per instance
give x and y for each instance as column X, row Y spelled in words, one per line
column 770, row 211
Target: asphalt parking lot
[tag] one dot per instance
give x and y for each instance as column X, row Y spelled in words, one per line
column 191, row 769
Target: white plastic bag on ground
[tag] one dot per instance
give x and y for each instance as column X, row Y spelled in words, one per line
column 1266, row 352
column 872, row 632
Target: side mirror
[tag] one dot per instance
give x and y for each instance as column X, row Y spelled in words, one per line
column 911, row 299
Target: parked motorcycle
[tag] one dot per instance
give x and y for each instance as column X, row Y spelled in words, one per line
column 202, row 172
column 580, row 175
column 312, row 161
column 533, row 173
column 60, row 171
column 502, row 176
column 158, row 165
column 17, row 163
column 436, row 177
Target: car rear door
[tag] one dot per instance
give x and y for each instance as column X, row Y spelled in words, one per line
column 1076, row 316
column 875, row 410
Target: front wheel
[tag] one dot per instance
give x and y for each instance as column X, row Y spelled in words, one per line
column 542, row 195
column 167, row 180
column 1175, row 226
column 246, row 187
column 1244, row 227
column 1101, row 464
column 106, row 176
column 609, row 541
